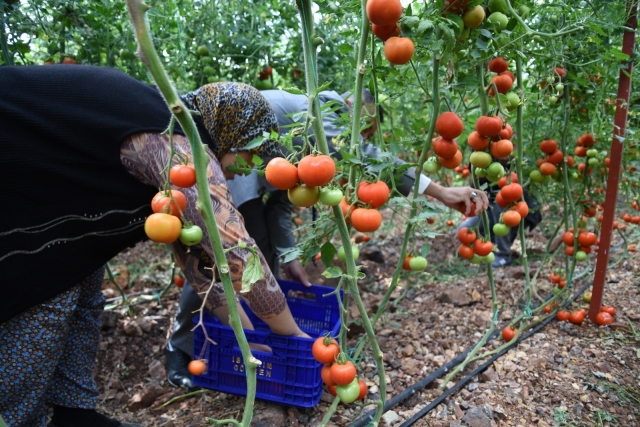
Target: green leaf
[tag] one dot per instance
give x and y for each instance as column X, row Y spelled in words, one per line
column 327, row 252
column 424, row 250
column 252, row 273
column 324, row 86
column 425, row 25
column 294, row 90
column 257, row 160
column 486, row 33
column 332, row 272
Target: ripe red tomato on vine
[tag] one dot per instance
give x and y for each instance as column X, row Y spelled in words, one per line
column 183, row 176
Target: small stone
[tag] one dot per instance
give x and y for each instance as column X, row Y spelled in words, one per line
column 390, row 417
column 131, row 327
column 476, row 417
column 144, row 398
column 157, row 371
column 146, row 324
column 408, row 351
column 456, row 296
column 489, row 375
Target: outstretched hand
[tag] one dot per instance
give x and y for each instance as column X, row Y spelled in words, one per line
column 467, row 200
column 295, row 271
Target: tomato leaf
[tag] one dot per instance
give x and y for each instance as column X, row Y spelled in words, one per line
column 327, row 251
column 294, row 90
column 252, row 273
column 288, row 254
column 332, row 272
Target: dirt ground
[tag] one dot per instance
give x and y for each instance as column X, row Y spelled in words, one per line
column 564, row 375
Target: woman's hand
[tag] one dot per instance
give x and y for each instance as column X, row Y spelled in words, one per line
column 295, row 271
column 467, row 200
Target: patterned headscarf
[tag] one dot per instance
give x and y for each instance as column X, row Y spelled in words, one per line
column 234, row 114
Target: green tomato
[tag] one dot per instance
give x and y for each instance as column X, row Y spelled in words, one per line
column 482, row 173
column 513, row 100
column 488, row 259
column 331, row 196
column 206, row 60
column 556, row 175
column 592, row 152
column 546, row 179
column 354, row 250
column 553, row 18
column 592, row 162
column 480, row 159
column 350, row 392
column 498, row 6
column 203, row 50
column 209, row 70
column 581, row 256
column 559, row 87
column 212, row 79
column 191, row 235
column 303, row 195
column 495, row 169
column 575, row 175
column 418, row 263
column 582, row 223
column 499, row 20
column 493, row 178
column 263, row 84
column 475, row 259
column 500, row 229
column 524, row 14
column 553, row 99
column 536, row 176
column 556, row 290
column 431, row 166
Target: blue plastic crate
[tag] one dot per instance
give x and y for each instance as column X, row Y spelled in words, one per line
column 290, row 375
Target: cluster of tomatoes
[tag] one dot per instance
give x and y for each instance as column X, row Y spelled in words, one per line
column 586, row 240
column 632, row 219
column 307, row 184
column 558, row 277
column 474, row 249
column 493, row 134
column 553, row 85
column 463, row 170
column 414, row 263
column 510, row 199
column 338, row 373
column 165, row 225
column 449, row 126
column 606, row 315
column 503, row 81
column 384, row 16
column 548, row 165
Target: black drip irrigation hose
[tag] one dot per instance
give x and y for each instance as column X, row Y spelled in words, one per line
column 408, row 392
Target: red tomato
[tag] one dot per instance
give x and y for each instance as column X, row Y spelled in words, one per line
column 405, row 263
column 449, row 125
column 325, row 373
column 325, row 350
column 183, row 176
column 365, row 220
column 587, row 238
column 343, row 374
column 197, row 367
column 577, row 317
column 465, row 251
column 563, row 315
column 604, row 318
column 375, row 194
column 178, row 281
column 608, row 309
column 363, row 390
column 316, row 170
column 162, row 228
column 482, row 248
column 508, row 333
column 466, row 236
column 281, row 174
column 161, row 203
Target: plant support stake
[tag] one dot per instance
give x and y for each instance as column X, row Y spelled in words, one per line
column 619, row 129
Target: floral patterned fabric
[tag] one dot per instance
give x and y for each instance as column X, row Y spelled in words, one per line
column 47, row 355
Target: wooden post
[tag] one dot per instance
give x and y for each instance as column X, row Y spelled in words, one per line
column 619, row 129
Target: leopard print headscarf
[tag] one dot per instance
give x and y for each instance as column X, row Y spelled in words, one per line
column 234, row 114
